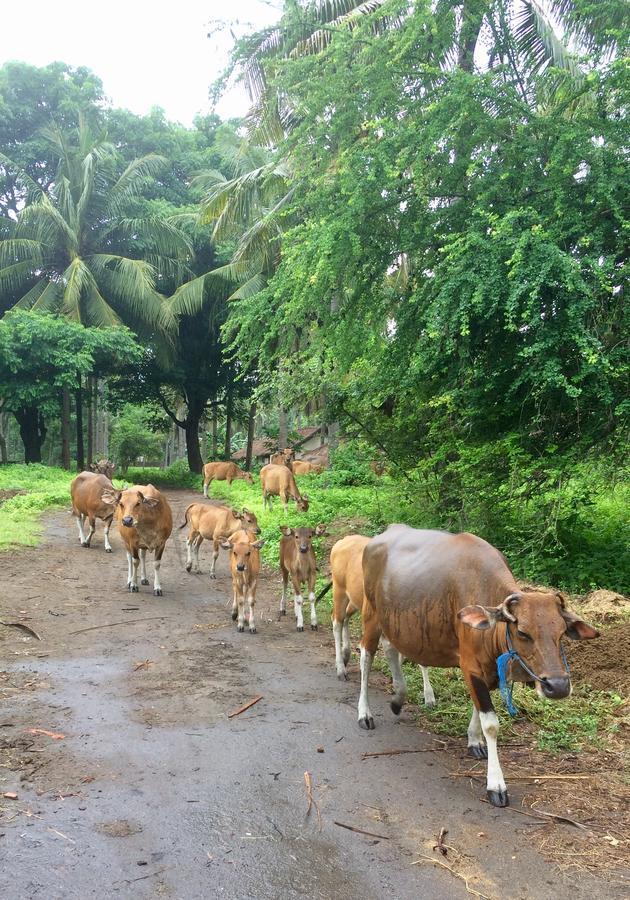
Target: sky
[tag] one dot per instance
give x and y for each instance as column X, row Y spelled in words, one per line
column 145, row 52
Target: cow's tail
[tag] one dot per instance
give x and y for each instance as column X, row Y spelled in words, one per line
column 323, row 592
column 185, row 522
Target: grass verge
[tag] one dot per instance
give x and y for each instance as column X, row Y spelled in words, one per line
column 39, row 488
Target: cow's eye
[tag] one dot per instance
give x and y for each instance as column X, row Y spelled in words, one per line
column 524, row 635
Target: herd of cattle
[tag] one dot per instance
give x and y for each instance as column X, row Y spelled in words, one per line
column 434, row 598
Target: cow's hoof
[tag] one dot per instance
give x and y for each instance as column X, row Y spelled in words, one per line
column 498, row 798
column 313, row 627
column 479, row 751
column 431, row 705
column 283, row 612
column 108, row 549
column 85, row 544
column 252, row 631
column 367, row 723
column 157, row 592
column 342, row 676
column 300, row 628
column 213, row 576
column 240, row 629
column 189, row 567
column 144, row 581
column 395, row 707
column 234, row 616
column 133, row 588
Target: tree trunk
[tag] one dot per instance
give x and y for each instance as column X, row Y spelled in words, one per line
column 91, row 401
column 65, row 428
column 473, row 13
column 195, row 462
column 251, row 425
column 333, row 427
column 4, row 431
column 228, row 424
column 214, row 448
column 32, row 432
column 283, row 429
column 78, row 397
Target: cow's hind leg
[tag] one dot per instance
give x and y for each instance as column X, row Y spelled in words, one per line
column 495, row 785
column 157, row 585
column 88, row 539
column 311, row 600
column 80, row 520
column 215, row 556
column 285, row 587
column 394, row 659
column 369, row 644
column 108, row 525
column 340, row 605
column 429, row 696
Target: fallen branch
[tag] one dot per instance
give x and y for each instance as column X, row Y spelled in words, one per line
column 541, row 814
column 398, row 752
column 23, row 627
column 143, row 665
column 382, row 837
column 55, row 735
column 114, row 624
column 241, row 709
column 438, row 862
column 312, row 802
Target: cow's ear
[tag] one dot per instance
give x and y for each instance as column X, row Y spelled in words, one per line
column 111, row 497
column 227, row 545
column 286, row 531
column 260, row 543
column 476, row 617
column 236, row 513
column 245, row 511
column 578, row 629
column 304, row 496
column 320, row 530
column 149, row 501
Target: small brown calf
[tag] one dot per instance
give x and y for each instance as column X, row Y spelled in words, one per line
column 213, row 523
column 223, row 471
column 283, row 458
column 297, row 560
column 103, row 467
column 86, row 491
column 306, row 467
column 244, row 566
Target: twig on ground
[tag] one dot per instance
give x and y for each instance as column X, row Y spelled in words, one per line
column 382, row 837
column 398, row 752
column 438, row 862
column 55, row 735
column 23, row 627
column 541, row 814
column 441, row 846
column 143, row 665
column 114, row 624
column 241, row 709
column 480, row 774
column 312, row 802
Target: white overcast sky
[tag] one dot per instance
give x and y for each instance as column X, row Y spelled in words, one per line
column 146, row 52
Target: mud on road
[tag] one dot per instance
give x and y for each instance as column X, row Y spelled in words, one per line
column 135, row 783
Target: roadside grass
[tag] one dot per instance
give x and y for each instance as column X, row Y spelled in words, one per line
column 43, row 487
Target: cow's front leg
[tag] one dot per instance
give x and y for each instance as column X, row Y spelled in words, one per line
column 215, row 556
column 108, row 525
column 143, row 567
column 429, row 696
column 80, row 520
column 285, row 587
column 157, row 585
column 369, row 644
column 476, row 744
column 251, row 602
column 205, row 488
column 298, row 600
column 132, row 577
column 400, row 685
column 495, row 786
column 240, row 625
column 234, row 603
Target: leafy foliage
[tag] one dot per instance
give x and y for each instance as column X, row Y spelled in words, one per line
column 131, row 438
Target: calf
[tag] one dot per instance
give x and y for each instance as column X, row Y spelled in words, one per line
column 213, row 523
column 245, row 566
column 145, row 523
column 427, row 592
column 305, row 467
column 103, row 467
column 278, row 481
column 346, row 564
column 297, row 559
column 223, row 471
column 283, row 458
column 86, row 492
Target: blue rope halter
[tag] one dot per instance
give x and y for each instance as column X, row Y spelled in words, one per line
column 504, row 661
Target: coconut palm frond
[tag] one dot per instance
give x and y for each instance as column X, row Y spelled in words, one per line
column 250, row 287
column 349, row 18
column 134, row 277
column 28, row 184
column 18, row 249
column 160, row 234
column 16, row 276
column 98, row 312
column 30, row 298
column 134, row 179
column 77, row 279
column 537, row 43
column 49, row 299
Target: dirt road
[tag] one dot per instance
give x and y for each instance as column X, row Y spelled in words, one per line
column 153, row 792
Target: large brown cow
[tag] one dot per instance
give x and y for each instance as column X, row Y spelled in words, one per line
column 223, row 471
column 278, row 481
column 103, row 467
column 244, row 566
column 450, row 600
column 346, row 566
column 213, row 523
column 86, row 492
column 297, row 561
column 145, row 523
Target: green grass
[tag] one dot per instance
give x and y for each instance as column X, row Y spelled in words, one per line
column 20, row 517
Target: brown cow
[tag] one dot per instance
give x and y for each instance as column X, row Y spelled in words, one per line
column 103, row 467
column 297, row 559
column 145, row 523
column 450, row 600
column 223, row 471
column 245, row 566
column 213, row 523
column 306, row 467
column 86, row 491
column 278, row 481
column 283, row 458
column 346, row 564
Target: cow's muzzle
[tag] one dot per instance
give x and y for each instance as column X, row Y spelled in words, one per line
column 240, row 567
column 303, row 549
column 556, row 688
column 128, row 521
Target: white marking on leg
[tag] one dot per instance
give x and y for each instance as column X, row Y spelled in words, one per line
column 157, row 584
column 337, row 628
column 283, row 599
column 311, row 598
column 80, row 519
column 143, row 566
column 251, row 602
column 475, row 733
column 189, row 558
column 129, row 568
column 490, row 728
column 363, row 710
column 108, row 546
column 90, row 533
column 205, row 489
column 297, row 605
column 345, row 642
column 134, row 562
column 429, row 696
column 196, row 545
column 394, row 659
column 215, row 556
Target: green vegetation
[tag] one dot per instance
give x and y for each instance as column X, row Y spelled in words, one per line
column 41, row 488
